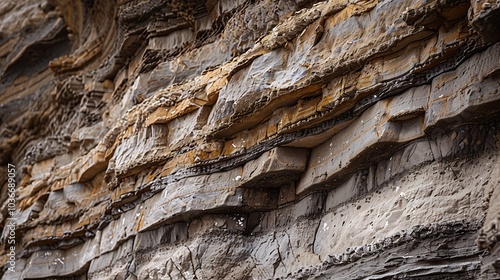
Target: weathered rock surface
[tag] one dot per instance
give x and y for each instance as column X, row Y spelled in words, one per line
column 222, row 139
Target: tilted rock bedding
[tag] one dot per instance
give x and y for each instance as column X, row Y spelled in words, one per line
column 219, row 139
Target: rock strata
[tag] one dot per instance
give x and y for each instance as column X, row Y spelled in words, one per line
column 219, row 139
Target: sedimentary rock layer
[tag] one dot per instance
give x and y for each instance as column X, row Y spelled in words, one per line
column 250, row 139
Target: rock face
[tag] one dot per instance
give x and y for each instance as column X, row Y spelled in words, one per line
column 222, row 139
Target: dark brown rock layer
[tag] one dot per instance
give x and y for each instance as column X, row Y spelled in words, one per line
column 250, row 139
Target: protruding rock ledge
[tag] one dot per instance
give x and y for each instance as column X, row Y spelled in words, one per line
column 251, row 139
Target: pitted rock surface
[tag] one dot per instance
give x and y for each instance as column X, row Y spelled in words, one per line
column 218, row 139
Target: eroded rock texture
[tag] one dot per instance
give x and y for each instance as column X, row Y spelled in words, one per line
column 220, row 139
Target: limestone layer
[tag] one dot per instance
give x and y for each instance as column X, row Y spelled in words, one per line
column 220, row 139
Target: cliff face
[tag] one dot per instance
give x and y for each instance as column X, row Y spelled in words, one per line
column 242, row 139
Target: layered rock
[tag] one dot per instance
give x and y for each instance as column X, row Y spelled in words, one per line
column 251, row 139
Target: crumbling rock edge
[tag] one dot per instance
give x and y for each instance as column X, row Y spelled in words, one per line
column 251, row 139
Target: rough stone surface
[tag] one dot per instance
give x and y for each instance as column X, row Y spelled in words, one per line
column 220, row 139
